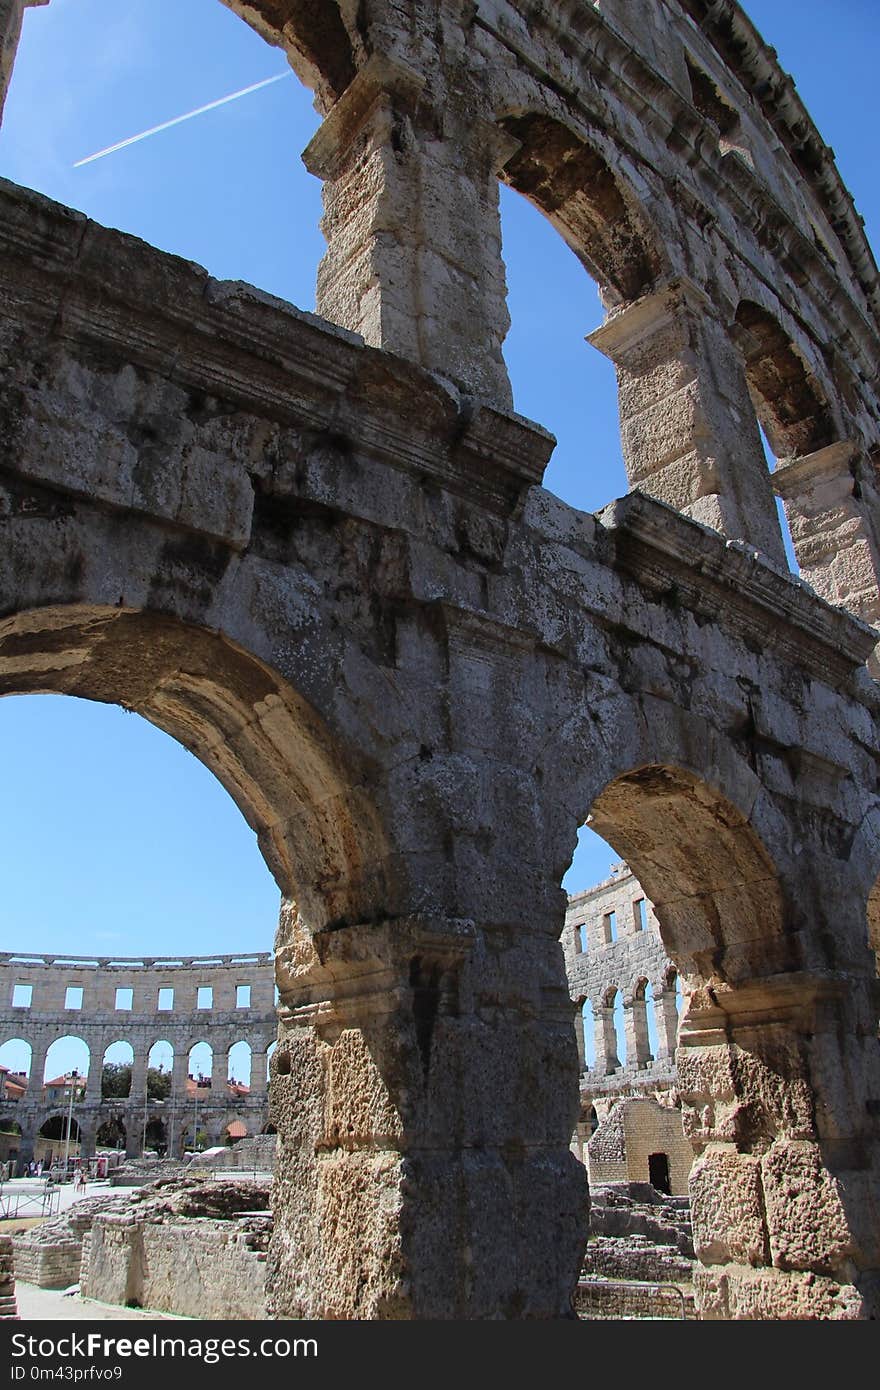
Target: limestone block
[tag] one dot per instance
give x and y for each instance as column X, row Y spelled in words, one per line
column 734, row 1293
column 358, row 1207
column 727, row 1210
column 806, row 1213
column 359, row 1108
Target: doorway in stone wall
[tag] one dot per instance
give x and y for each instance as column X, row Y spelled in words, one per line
column 658, row 1172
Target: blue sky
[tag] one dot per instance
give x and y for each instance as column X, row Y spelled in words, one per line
column 114, row 839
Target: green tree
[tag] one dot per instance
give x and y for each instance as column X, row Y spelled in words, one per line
column 158, row 1083
column 115, row 1080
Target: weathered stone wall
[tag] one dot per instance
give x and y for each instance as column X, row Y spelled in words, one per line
column 99, row 1023
column 257, row 1154
column 628, row 958
column 608, row 1257
column 49, row 1265
column 8, row 1305
column 634, row 1129
column 329, row 569
column 205, row 1269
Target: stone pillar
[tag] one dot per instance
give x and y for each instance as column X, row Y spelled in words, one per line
column 424, row 1167
column 688, row 427
column 87, row 1140
column 666, row 1017
column 179, row 1074
column 135, row 1107
column 34, row 1090
column 607, row 1060
column 93, row 1079
column 11, row 12
column 138, row 1092
column 785, row 1189
column 635, row 1022
column 258, row 1072
column 413, row 233
column 219, row 1069
column 29, row 1127
column 831, row 504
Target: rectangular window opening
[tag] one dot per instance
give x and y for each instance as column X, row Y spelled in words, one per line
column 166, row 999
column 73, row 997
column 124, row 998
column 609, row 925
column 22, row 996
column 205, row 997
column 242, row 996
column 640, row 914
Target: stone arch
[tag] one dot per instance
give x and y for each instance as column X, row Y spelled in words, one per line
column 157, row 1057
column 598, row 215
column 790, row 404
column 204, row 1064
column 54, row 1137
column 52, row 1055
column 241, row 1062
column 17, row 1041
column 118, row 1045
column 319, row 39
column 716, row 892
column 111, row 1132
column 317, row 830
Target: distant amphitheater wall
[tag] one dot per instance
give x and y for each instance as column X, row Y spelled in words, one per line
column 179, row 1001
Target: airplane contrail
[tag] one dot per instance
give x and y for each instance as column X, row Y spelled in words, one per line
column 166, row 125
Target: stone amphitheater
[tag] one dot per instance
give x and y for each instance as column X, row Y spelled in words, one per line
column 317, row 552
column 103, row 1002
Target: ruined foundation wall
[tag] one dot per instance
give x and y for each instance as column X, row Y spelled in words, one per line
column 200, row 1268
column 8, row 1305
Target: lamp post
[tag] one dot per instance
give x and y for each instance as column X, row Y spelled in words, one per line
column 74, row 1076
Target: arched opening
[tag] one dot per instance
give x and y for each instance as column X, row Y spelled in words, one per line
column 793, row 415
column 111, row 1134
column 556, row 378
column 15, row 1067
column 317, row 829
column 715, row 891
column 160, row 1070
column 789, row 402
column 269, row 1053
column 576, row 188
column 238, row 1072
column 10, row 1144
column 66, row 1068
column 234, row 1131
column 575, row 214
column 156, row 1136
column 58, row 1141
column 116, row 1071
column 200, row 1066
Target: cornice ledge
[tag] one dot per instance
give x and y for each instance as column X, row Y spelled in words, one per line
column 664, row 551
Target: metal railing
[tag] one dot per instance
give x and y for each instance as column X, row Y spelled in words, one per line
column 651, row 1289
column 28, row 1197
